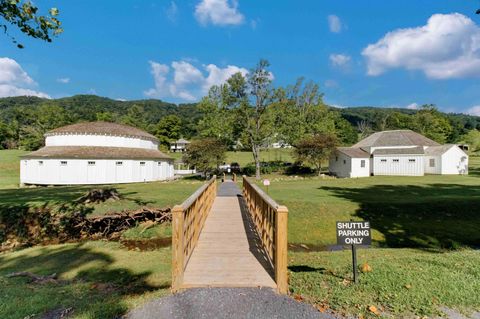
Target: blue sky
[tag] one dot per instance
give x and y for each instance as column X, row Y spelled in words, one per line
column 378, row 53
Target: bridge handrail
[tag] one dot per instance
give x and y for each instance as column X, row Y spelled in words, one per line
column 187, row 222
column 271, row 221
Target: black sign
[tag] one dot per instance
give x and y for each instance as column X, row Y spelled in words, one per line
column 353, row 233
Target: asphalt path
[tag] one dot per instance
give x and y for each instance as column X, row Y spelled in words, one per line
column 232, row 303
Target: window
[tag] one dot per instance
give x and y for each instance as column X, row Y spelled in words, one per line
column 119, row 163
column 344, row 161
column 159, row 163
column 383, row 160
column 40, row 163
column 142, row 163
column 396, row 160
column 362, row 163
column 63, row 163
column 432, row 162
column 411, row 160
column 91, row 163
column 336, row 158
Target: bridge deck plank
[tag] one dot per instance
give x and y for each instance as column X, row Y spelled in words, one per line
column 228, row 253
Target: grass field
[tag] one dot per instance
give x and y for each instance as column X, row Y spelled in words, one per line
column 428, row 212
column 243, row 158
column 96, row 279
column 420, row 226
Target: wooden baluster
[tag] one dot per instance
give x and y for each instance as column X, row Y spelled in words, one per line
column 281, row 246
column 178, row 266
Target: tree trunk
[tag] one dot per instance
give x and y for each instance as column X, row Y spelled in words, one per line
column 256, row 158
column 319, row 169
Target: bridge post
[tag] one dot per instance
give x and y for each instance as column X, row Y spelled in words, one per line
column 281, row 257
column 177, row 247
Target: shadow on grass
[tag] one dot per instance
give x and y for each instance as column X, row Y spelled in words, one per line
column 428, row 217
column 92, row 288
column 305, row 268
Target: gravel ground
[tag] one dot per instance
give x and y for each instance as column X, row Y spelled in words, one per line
column 226, row 303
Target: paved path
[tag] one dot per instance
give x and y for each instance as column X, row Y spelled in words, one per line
column 229, row 252
column 231, row 303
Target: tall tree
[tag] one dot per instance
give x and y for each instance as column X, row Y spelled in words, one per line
column 24, row 16
column 314, row 150
column 217, row 121
column 168, row 129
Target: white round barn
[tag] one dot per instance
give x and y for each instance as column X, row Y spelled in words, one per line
column 96, row 153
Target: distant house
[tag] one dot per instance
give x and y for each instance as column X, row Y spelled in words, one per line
column 183, row 169
column 401, row 153
column 179, row 146
column 96, row 153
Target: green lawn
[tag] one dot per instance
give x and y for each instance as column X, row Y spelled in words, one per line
column 419, row 225
column 426, row 212
column 97, row 279
column 403, row 283
column 244, row 157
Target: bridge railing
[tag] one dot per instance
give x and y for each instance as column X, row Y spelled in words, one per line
column 270, row 220
column 187, row 223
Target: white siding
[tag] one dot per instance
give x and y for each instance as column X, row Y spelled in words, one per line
column 340, row 165
column 398, row 165
column 52, row 172
column 99, row 140
column 433, row 164
column 356, row 167
column 454, row 161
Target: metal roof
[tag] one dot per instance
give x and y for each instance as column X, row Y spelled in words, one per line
column 396, row 138
column 353, row 152
column 96, row 152
column 400, row 151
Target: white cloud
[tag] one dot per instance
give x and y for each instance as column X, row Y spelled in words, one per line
column 63, row 80
column 12, row 72
column 172, row 11
column 14, row 81
column 334, row 23
column 187, row 82
column 448, row 46
column 218, row 12
column 340, row 60
column 412, row 106
column 474, row 110
column 11, row 90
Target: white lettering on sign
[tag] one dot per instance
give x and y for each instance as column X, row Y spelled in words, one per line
column 353, row 233
column 266, row 182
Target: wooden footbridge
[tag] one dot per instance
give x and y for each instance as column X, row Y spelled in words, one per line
column 224, row 237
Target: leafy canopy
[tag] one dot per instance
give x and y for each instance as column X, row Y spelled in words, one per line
column 24, row 15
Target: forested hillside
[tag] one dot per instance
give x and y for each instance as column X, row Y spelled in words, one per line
column 24, row 120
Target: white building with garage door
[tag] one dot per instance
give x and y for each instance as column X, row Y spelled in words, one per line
column 96, row 153
column 398, row 153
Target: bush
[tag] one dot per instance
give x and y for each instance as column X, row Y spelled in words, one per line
column 248, row 169
column 299, row 169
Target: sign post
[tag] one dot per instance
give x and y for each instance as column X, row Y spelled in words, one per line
column 354, row 233
column 266, row 183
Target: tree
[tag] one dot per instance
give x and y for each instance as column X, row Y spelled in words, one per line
column 250, row 98
column 430, row 122
column 313, row 150
column 218, row 121
column 135, row 117
column 24, row 15
column 205, row 154
column 168, row 129
column 472, row 138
